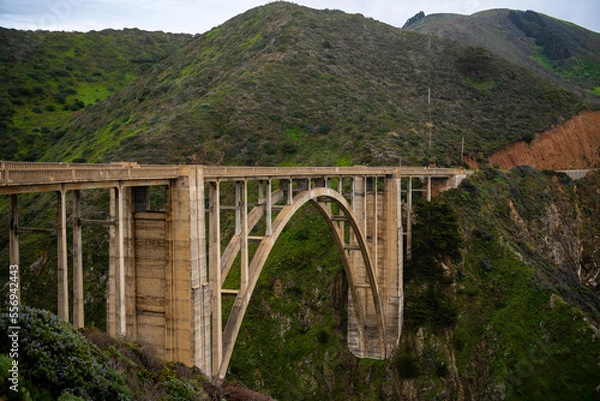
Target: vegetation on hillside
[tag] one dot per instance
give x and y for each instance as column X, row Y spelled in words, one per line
column 47, row 76
column 57, row 362
column 532, row 24
column 284, row 84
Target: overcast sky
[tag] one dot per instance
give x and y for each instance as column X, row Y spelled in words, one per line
column 199, row 16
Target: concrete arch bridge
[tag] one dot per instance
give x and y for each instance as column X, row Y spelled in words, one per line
column 168, row 267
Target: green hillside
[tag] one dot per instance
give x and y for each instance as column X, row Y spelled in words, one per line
column 557, row 50
column 46, row 77
column 284, row 84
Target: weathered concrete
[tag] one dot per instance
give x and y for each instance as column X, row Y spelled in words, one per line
column 165, row 283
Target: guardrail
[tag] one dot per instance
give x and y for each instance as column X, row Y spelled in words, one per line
column 576, row 174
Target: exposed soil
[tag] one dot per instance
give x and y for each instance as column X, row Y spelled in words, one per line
column 573, row 145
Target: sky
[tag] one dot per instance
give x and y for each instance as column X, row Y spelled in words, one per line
column 199, row 16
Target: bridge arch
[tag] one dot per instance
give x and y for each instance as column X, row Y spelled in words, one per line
column 322, row 197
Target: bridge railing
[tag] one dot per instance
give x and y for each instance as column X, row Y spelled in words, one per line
column 15, row 173
column 218, row 172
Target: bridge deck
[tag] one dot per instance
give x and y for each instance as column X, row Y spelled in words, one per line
column 232, row 173
column 19, row 177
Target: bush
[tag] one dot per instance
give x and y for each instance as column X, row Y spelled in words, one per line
column 179, row 390
column 60, row 360
column 433, row 307
column 436, row 231
column 476, row 63
column 407, row 364
column 441, row 368
column 289, row 148
column 77, row 105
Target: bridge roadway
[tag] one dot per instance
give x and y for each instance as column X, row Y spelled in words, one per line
column 168, row 267
column 46, row 177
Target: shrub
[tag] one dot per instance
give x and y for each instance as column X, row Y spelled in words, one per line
column 436, row 231
column 60, row 97
column 289, row 148
column 324, row 129
column 441, row 368
column 60, row 360
column 77, row 105
column 179, row 390
column 476, row 63
column 20, row 91
column 407, row 364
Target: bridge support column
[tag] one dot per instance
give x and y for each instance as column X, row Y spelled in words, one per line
column 391, row 273
column 356, row 334
column 188, row 301
column 78, row 314
column 120, row 253
column 62, row 266
column 241, row 228
column 379, row 214
column 214, row 250
column 269, row 209
column 158, row 289
column 429, row 189
column 409, row 209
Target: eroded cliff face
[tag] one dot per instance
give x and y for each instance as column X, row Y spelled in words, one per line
column 573, row 145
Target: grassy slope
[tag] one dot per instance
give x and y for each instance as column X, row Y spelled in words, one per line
column 284, row 84
column 493, row 30
column 47, row 77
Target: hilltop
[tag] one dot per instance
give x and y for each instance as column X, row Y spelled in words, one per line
column 557, row 50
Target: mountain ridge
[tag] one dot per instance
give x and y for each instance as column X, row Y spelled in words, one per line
column 512, row 35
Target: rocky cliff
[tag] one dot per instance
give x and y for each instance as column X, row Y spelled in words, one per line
column 572, row 145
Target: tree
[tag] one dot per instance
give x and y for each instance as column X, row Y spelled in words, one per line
column 435, row 237
column 436, row 230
